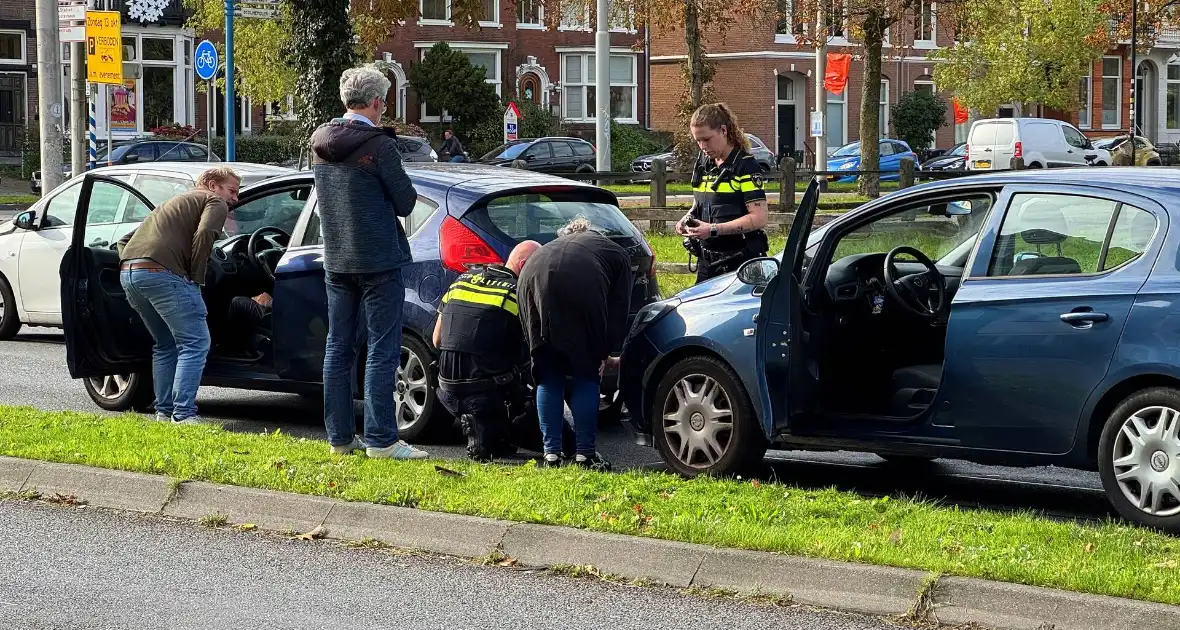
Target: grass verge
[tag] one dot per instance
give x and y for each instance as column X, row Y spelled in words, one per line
column 14, row 199
column 1109, row 558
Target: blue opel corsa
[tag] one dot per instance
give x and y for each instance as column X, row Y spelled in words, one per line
column 1023, row 319
column 465, row 215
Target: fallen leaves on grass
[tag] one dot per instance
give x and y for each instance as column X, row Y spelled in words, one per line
column 447, row 472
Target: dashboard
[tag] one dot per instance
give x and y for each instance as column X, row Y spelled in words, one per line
column 861, row 277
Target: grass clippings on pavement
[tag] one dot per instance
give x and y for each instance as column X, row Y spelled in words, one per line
column 1110, row 558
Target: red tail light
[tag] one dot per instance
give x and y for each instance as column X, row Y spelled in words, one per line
column 462, row 248
column 1019, row 151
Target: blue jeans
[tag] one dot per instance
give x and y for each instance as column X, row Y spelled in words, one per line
column 174, row 312
column 375, row 298
column 551, row 409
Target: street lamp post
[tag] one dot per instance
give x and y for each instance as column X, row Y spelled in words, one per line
column 1134, row 75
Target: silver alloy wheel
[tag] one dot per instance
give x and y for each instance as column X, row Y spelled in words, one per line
column 698, row 421
column 110, row 387
column 1147, row 460
column 412, row 389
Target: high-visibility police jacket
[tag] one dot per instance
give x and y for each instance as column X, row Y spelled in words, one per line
column 721, row 192
column 481, row 319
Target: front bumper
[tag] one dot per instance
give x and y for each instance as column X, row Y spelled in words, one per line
column 638, row 355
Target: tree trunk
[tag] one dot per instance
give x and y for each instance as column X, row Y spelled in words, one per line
column 869, row 185
column 696, row 54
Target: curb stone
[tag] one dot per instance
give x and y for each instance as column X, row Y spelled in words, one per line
column 823, row 583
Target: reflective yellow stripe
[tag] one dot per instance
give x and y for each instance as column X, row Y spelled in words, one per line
column 482, row 287
column 749, row 187
column 464, row 295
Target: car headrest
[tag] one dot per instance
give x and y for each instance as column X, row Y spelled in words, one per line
column 1042, row 224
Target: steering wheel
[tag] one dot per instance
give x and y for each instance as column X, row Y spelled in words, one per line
column 264, row 243
column 922, row 294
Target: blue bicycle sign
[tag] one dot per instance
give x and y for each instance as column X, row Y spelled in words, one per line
column 206, row 62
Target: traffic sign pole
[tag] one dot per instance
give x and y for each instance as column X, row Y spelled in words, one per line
column 206, row 65
column 231, row 118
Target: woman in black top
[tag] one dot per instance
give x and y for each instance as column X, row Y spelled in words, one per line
column 729, row 208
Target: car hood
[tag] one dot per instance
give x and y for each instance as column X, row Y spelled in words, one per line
column 835, row 163
column 944, row 160
column 647, row 158
column 708, row 288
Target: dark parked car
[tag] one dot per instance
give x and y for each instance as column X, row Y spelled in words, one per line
column 465, row 215
column 758, row 149
column 415, row 149
column 1022, row 319
column 141, row 151
column 546, row 155
column 953, row 159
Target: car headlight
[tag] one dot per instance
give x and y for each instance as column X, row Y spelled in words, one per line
column 847, row 166
column 652, row 313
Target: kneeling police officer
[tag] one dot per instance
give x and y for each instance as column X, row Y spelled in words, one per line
column 725, row 226
column 482, row 351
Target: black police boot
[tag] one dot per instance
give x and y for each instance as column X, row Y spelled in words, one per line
column 478, row 444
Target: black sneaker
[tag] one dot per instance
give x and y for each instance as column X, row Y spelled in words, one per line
column 551, row 461
column 593, row 462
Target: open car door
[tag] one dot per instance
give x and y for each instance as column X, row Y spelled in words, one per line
column 104, row 335
column 787, row 381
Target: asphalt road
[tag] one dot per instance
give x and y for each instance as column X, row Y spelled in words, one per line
column 77, row 568
column 34, row 374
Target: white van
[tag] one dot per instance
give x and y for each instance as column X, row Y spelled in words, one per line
column 1042, row 142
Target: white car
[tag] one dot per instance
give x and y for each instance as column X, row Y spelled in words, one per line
column 33, row 243
column 1040, row 142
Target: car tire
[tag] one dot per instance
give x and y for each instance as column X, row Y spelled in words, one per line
column 1151, row 415
column 9, row 321
column 123, row 392
column 585, row 168
column 742, row 444
column 420, row 416
column 1154, row 163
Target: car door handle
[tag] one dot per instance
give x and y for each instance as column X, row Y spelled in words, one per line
column 1083, row 317
column 98, row 242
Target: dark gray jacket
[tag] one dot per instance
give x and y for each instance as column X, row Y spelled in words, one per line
column 362, row 190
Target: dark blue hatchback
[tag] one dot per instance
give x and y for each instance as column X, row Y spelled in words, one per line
column 1022, row 319
column 465, row 215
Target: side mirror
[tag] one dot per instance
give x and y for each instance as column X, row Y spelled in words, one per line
column 958, row 209
column 529, row 157
column 758, row 272
column 131, row 158
column 25, row 220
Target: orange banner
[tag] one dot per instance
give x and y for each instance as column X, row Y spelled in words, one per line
column 836, row 77
column 961, row 113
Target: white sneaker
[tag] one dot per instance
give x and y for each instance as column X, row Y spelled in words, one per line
column 188, row 420
column 398, row 450
column 347, row 449
column 163, row 417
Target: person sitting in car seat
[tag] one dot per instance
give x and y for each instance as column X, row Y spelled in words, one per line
column 247, row 329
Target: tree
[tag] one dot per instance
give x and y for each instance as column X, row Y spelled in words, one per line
column 1023, row 51
column 446, row 79
column 321, row 48
column 916, row 116
column 263, row 73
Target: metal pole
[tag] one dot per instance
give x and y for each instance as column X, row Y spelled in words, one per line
column 1134, row 74
column 231, row 118
column 110, row 94
column 210, row 94
column 49, row 91
column 602, row 85
column 79, row 118
column 821, row 93
column 93, row 125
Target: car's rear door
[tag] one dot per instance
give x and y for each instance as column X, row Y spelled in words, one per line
column 563, row 157
column 103, row 333
column 786, row 387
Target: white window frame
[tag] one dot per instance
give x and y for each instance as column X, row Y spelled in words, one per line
column 1118, row 121
column 179, row 77
column 1168, row 83
column 883, row 108
column 536, row 26
column 842, row 38
column 24, row 47
column 583, row 25
column 918, row 18
column 1088, row 104
column 435, row 21
column 589, row 82
column 286, row 106
column 788, row 19
column 496, row 8
column 474, row 47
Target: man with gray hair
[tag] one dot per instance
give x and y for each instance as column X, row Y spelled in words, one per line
column 362, row 190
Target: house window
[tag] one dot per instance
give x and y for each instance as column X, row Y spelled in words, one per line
column 1084, row 97
column 834, row 120
column 160, row 96
column 529, row 13
column 924, row 23
column 1172, row 116
column 790, row 22
column 580, row 101
column 489, row 59
column 435, row 11
column 280, row 110
column 491, row 13
column 834, row 17
column 1112, row 87
column 883, row 112
column 574, row 17
column 12, row 47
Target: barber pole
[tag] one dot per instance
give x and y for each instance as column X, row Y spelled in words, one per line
column 93, row 128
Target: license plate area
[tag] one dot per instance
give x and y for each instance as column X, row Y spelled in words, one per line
column 983, row 163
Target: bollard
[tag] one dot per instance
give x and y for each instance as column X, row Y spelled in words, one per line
column 1018, row 164
column 907, row 173
column 659, row 183
column 786, row 185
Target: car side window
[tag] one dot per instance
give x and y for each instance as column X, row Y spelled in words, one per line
column 61, row 209
column 1074, row 138
column 886, row 148
column 279, row 209
column 1058, row 234
column 935, row 229
column 106, row 201
column 158, row 189
column 562, row 150
column 147, row 152
column 539, row 151
column 196, row 154
column 582, row 149
column 423, row 210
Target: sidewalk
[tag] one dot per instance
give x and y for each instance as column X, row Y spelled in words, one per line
column 917, row 596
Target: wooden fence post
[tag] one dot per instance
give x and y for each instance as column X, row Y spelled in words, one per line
column 659, row 193
column 786, row 185
column 907, row 173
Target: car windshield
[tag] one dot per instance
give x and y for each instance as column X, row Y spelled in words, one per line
column 848, row 150
column 120, row 151
column 538, row 216
column 507, row 151
column 1107, row 143
column 959, row 151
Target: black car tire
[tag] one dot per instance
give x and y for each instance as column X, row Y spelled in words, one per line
column 746, row 445
column 9, row 321
column 1166, row 397
column 129, row 392
column 585, row 168
column 434, row 422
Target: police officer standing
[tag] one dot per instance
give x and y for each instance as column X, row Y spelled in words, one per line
column 482, row 351
column 725, row 226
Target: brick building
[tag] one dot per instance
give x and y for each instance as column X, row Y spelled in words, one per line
column 18, row 79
